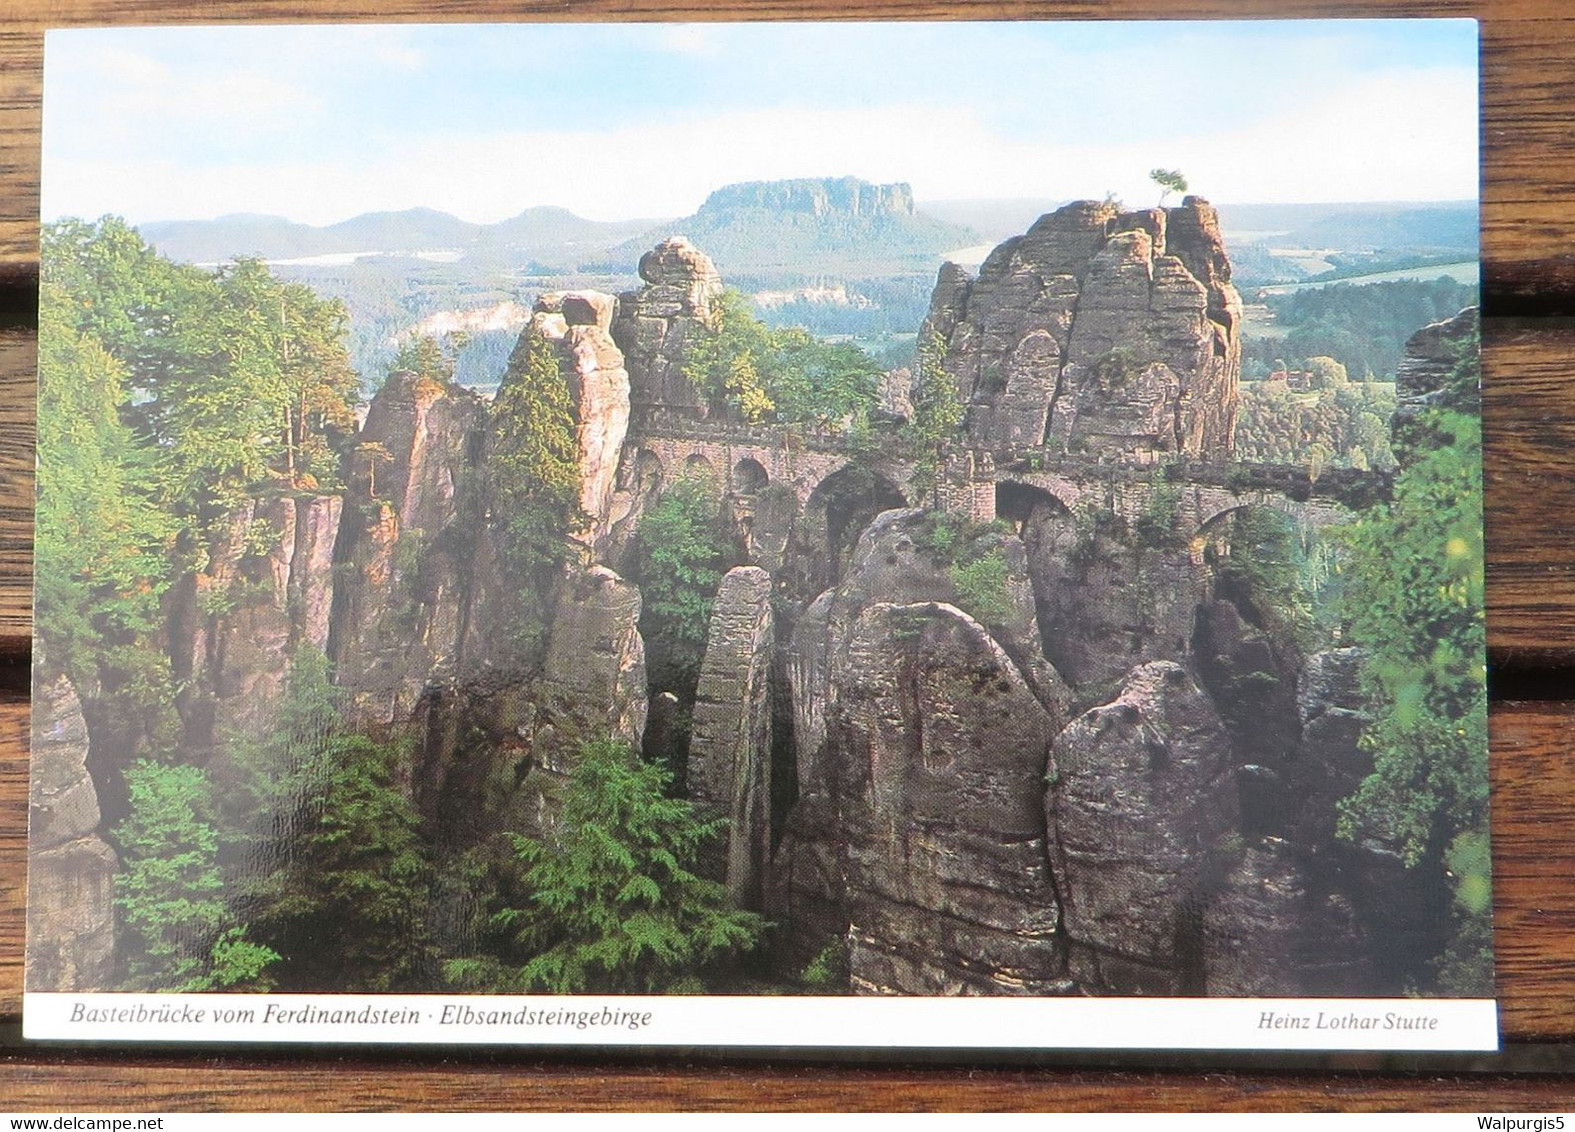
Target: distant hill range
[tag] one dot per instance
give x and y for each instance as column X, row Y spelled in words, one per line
column 547, row 234
column 836, row 226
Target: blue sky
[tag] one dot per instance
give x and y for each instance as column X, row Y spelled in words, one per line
column 623, row 120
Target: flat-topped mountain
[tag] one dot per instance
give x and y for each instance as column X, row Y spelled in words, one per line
column 832, row 225
column 822, row 197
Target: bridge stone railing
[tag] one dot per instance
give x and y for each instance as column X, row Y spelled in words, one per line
column 1351, row 487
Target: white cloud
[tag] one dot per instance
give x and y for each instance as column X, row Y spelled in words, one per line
column 118, row 95
column 1396, row 137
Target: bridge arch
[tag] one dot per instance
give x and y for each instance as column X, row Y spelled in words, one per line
column 1215, row 509
column 1022, row 504
column 750, row 476
column 838, row 509
column 698, row 464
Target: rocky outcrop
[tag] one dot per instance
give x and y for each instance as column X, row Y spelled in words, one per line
column 1110, row 594
column 902, row 559
column 578, row 324
column 1142, row 796
column 1268, row 931
column 266, row 589
column 934, row 763
column 1115, row 335
column 921, row 735
column 409, row 551
column 657, row 324
column 70, row 868
column 730, row 743
column 592, row 687
column 1253, row 685
column 1429, row 375
column 1333, row 710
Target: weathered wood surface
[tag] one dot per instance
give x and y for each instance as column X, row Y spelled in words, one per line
column 1528, row 97
column 56, row 1084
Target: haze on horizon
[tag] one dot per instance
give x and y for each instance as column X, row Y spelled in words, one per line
column 618, row 121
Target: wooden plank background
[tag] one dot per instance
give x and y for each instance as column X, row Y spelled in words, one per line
column 1528, row 221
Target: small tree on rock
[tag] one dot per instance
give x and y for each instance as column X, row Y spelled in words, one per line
column 1169, row 181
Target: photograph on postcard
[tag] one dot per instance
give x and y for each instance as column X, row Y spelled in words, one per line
column 761, row 512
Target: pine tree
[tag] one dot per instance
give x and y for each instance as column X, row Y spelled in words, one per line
column 177, row 933
column 614, row 903
column 682, row 554
column 533, row 481
column 349, row 907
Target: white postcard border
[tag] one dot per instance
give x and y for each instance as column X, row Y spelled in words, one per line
column 1264, row 1024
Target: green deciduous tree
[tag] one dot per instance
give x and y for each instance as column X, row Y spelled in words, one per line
column 240, row 382
column 725, row 364
column 1169, row 181
column 756, row 373
column 614, row 903
column 1416, row 603
column 101, row 559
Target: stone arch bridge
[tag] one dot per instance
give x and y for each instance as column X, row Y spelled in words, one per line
column 744, row 459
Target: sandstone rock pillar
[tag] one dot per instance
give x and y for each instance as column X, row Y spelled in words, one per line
column 730, row 744
column 70, row 869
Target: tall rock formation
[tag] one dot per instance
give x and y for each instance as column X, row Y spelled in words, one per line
column 1142, row 796
column 730, row 742
column 407, row 554
column 266, row 589
column 70, row 868
column 656, row 324
column 579, row 325
column 921, row 741
column 1107, row 334
column 1428, row 376
column 592, row 687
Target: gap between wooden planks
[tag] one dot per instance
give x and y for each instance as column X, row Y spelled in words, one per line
column 40, row 1083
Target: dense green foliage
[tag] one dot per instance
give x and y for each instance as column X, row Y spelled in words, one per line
column 938, row 412
column 757, row 373
column 1282, row 575
column 325, row 848
column 102, row 544
column 533, row 481
column 1364, row 327
column 1416, row 604
column 349, row 906
column 681, row 557
column 614, row 902
column 1338, row 426
column 176, row 933
column 239, row 382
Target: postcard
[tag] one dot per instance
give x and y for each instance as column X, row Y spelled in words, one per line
column 878, row 535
